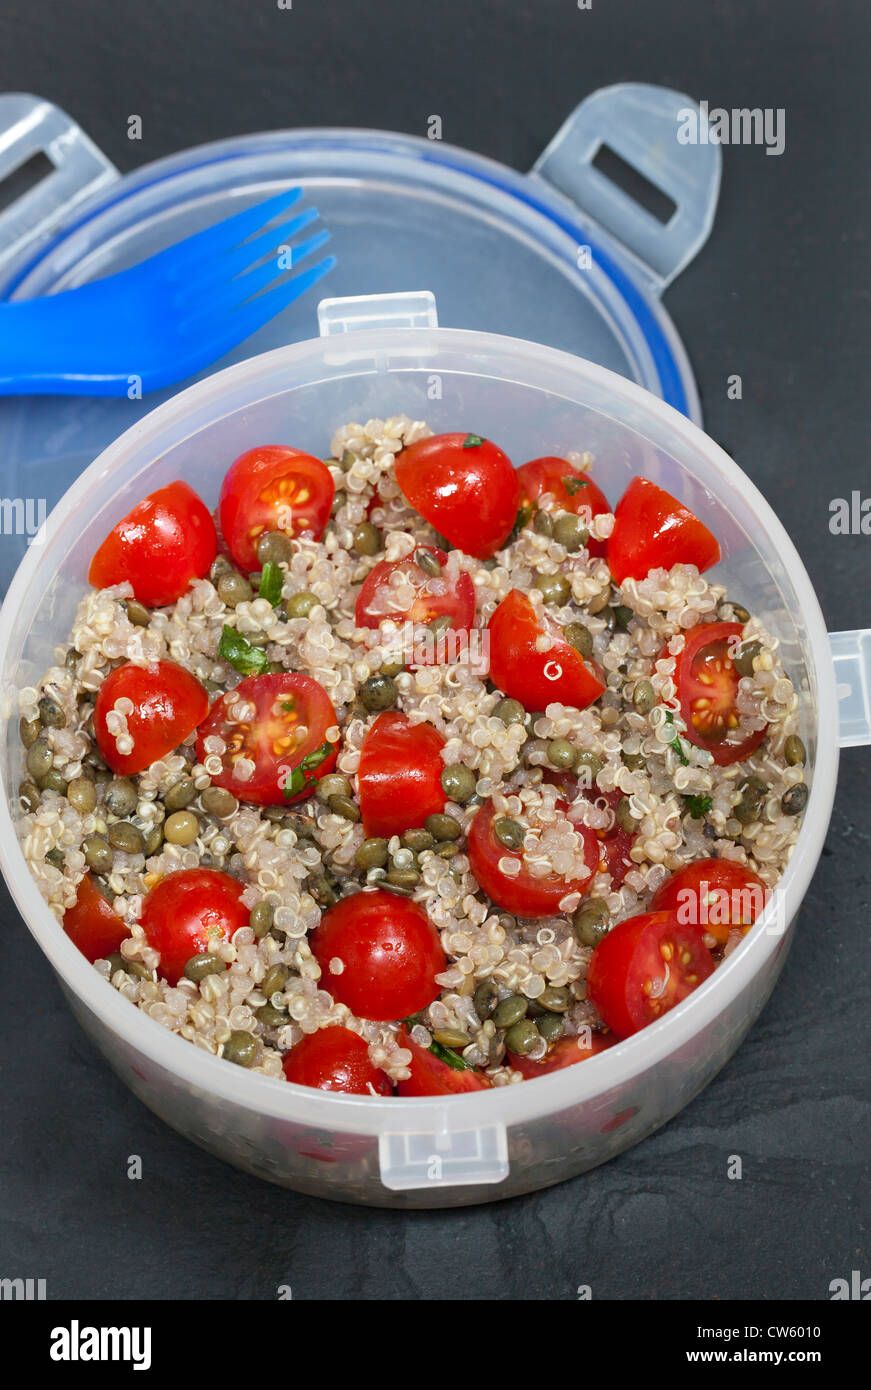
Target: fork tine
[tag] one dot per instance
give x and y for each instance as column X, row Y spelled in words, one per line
column 228, row 233
column 240, row 322
column 244, row 287
column 240, row 258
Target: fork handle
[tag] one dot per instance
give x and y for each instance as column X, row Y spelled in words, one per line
column 44, row 350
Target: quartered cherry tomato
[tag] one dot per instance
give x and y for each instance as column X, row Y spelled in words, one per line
column 273, row 488
column 713, row 894
column 523, row 893
column 564, row 1053
column 643, row 967
column 166, row 703
column 463, row 486
column 533, row 677
column 574, row 492
column 159, row 547
column 188, row 909
column 399, row 777
column 707, row 686
column 379, row 954
column 92, row 925
column 430, row 1076
column 335, row 1059
column 279, row 723
column 432, row 596
column 615, row 842
column 652, row 530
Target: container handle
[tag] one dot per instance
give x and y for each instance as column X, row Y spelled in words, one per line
column 404, row 309
column 443, row 1157
column 851, row 654
column 30, row 126
column 664, row 136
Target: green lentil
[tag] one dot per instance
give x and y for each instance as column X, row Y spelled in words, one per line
column 793, row 802
column 137, row 613
column 425, row 560
column 590, row 922
column 644, row 697
column 634, row 761
column 260, row 919
column 580, row 638
column 198, row 967
column 392, row 668
column 622, row 617
column 366, row 539
column 55, row 857
column 300, row 605
column 334, row 784
column 181, row 828
column 234, row 588
column 749, row 807
column 417, row 840
column 372, row 854
column 82, row 794
column 570, row 532
column 794, row 751
column 451, row 1037
column 510, row 712
column 274, row 548
column 120, row 797
column 29, row 794
column 28, row 731
column 522, row 1038
column 345, row 807
column 71, row 660
column 53, row 781
column 39, row 758
column 743, row 663
column 442, row 827
column 560, row 753
column 448, row 849
column 240, row 1048
column 51, row 716
column 439, row 626
column 180, row 794
column 591, row 765
column 271, row 1017
column 458, row 783
column 152, row 840
column 555, row 999
column 98, row 855
column 217, row 801
column 554, row 588
column 379, row 692
column 275, row 979
column 485, row 999
column 508, row 832
column 510, row 1011
column 403, row 878
column 542, row 524
column 551, row 1026
column 623, row 813
column 125, row 837
column 219, row 566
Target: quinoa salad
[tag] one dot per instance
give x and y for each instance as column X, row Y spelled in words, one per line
column 407, row 771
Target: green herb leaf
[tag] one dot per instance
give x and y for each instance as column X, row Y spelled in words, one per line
column 271, row 582
column 248, row 660
column 472, row 441
column 296, row 782
column 451, row 1058
column 573, row 484
column 314, row 759
column 698, row 806
column 675, row 742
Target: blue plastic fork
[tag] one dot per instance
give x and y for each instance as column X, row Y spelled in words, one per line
column 167, row 318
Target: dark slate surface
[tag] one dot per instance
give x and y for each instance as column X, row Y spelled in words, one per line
column 779, row 295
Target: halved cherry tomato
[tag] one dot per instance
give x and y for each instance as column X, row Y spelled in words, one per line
column 644, row 967
column 92, row 925
column 399, row 777
column 564, row 1053
column 273, row 488
column 714, row 894
column 537, row 678
column 188, row 909
column 615, row 842
column 652, row 530
column 707, row 684
column 379, row 954
column 522, row 892
column 335, row 1059
column 158, row 547
column 434, row 596
column 574, row 492
column 279, row 723
column 430, row 1076
column 166, row 705
column 463, row 486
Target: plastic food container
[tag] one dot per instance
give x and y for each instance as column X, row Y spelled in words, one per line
column 376, row 357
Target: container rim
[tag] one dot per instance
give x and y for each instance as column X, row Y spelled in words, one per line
column 504, row 1105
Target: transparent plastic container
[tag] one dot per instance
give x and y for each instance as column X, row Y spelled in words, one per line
column 378, row 357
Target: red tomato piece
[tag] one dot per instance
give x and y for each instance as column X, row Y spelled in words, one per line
column 158, row 547
column 537, row 678
column 615, row 842
column 714, row 894
column 434, row 597
column 430, row 1076
column 564, row 1053
column 645, row 966
column 399, row 777
column 335, row 1059
column 92, row 925
column 652, row 530
column 523, row 892
column 463, row 486
column 279, row 723
column 389, row 950
column 167, row 705
column 707, row 687
column 188, row 909
column 574, row 492
column 273, row 488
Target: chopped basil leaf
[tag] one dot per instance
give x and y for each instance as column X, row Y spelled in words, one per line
column 675, row 742
column 248, row 660
column 447, row 1055
column 296, row 782
column 312, row 760
column 271, row 582
column 698, row 806
column 573, row 484
column 472, row 441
